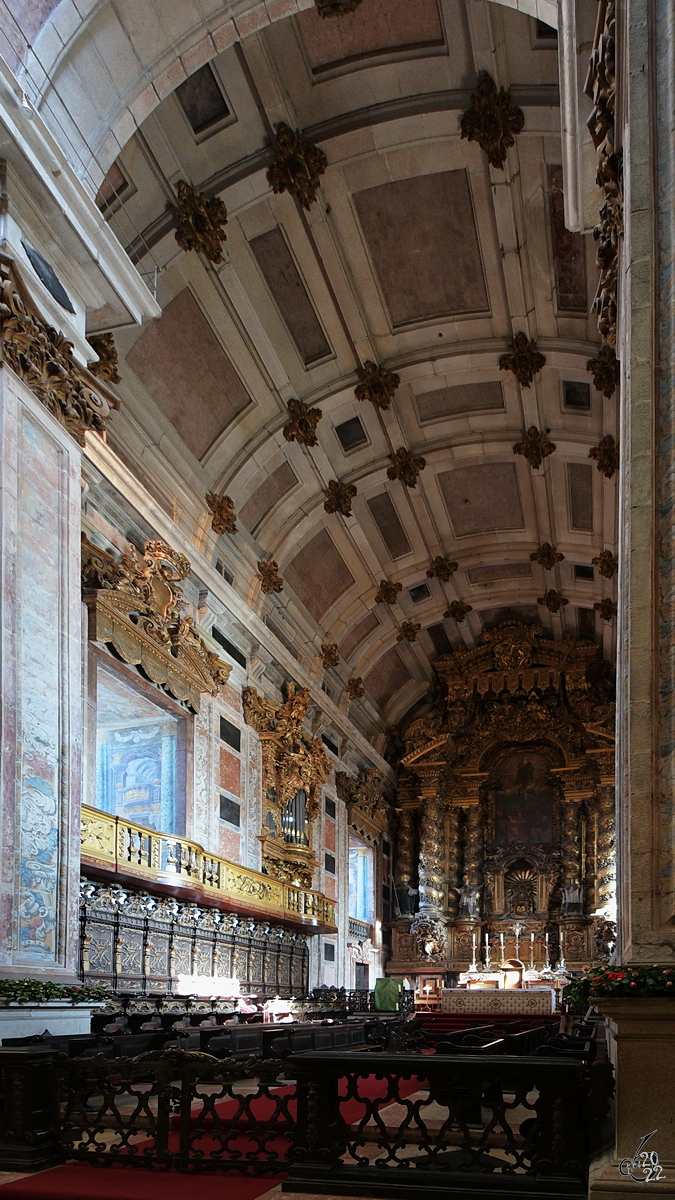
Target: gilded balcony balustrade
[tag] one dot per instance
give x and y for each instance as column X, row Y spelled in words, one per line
column 131, row 850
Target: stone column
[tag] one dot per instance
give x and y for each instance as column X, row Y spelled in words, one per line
column 41, row 679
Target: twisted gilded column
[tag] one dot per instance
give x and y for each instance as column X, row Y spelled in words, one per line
column 473, row 847
column 431, row 856
column 606, row 853
column 453, row 859
column 405, row 845
column 570, row 844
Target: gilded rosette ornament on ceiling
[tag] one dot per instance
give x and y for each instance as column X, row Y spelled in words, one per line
column 303, row 422
column 135, row 606
column 535, row 447
column 607, row 564
column 605, row 370
column 547, row 556
column 523, row 359
column 553, row 601
column 457, row 609
column 408, row 631
column 330, row 655
column 339, row 497
column 270, row 579
column 355, row 688
column 388, row 592
column 406, row 467
column 200, row 221
column 295, row 765
column 224, row 518
column 105, row 367
column 441, row 567
column 606, row 455
column 44, row 360
column 377, row 384
column 492, row 120
column 298, row 165
column 606, row 607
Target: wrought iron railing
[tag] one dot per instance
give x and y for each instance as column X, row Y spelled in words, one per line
column 132, row 849
column 345, row 1000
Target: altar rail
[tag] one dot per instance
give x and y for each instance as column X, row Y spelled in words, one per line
column 151, row 857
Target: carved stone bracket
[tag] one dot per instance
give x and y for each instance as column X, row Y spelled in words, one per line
column 200, row 221
column 535, row 447
column 523, row 359
column 106, row 366
column 298, row 165
column 492, row 120
column 377, row 384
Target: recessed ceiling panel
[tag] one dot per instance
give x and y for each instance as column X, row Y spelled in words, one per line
column 463, row 398
column 494, row 571
column 358, row 633
column 422, row 238
column 482, row 498
column 376, row 29
column 387, row 677
column 180, row 361
column 318, row 574
column 569, row 251
column 274, row 488
column 284, row 281
column 581, row 496
column 388, row 523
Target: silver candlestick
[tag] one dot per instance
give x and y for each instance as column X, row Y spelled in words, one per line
column 518, row 929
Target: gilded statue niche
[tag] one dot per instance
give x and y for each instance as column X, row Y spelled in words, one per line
column 295, row 766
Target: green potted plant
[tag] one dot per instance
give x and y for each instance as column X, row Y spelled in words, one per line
column 42, row 991
column 603, row 982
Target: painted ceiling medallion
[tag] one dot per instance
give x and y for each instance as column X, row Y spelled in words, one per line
column 355, row 688
column 606, row 608
column 339, row 497
column 408, row 631
column 298, row 165
column 607, row 564
column 605, row 370
column 105, row 368
column 492, row 120
column 199, row 222
column 336, row 8
column 547, row 556
column 606, row 455
column 523, row 358
column 387, row 593
column 458, row 610
column 441, row 567
column 553, row 601
column 406, row 466
column 330, row 655
column 377, row 384
column 270, row 579
column 302, row 425
column 224, row 517
column 535, row 447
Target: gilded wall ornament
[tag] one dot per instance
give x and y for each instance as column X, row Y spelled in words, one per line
column 330, row 655
column 43, row 359
column 406, row 467
column 535, row 447
column 605, row 370
column 430, row 938
column 259, row 713
column 199, row 222
column 523, row 358
column 377, row 384
column 366, row 792
column 601, row 87
column 355, row 688
column 336, row 8
column 135, row 605
column 270, row 579
column 387, row 593
column 547, row 556
column 339, row 497
column 606, row 607
column 105, row 368
column 298, row 165
column 458, row 610
column 554, row 601
column 606, row 455
column 492, row 120
column 408, row 631
column 302, row 425
column 224, row 518
column 512, row 645
column 607, row 564
column 441, row 567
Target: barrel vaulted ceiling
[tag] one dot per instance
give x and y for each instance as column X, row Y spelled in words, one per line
column 418, row 255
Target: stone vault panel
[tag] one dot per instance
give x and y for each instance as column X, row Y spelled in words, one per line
column 283, row 279
column 387, row 677
column 319, row 574
column 455, row 401
column 271, row 491
column 482, row 498
column 389, row 27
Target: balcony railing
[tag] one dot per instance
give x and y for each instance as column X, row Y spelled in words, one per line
column 130, row 849
column 359, row 931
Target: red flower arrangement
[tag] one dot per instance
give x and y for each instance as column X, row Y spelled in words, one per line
column 625, row 981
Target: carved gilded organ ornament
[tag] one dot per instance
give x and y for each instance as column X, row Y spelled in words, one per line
column 200, row 221
column 607, row 564
column 295, row 766
column 330, row 655
column 441, row 567
column 606, row 455
column 406, row 466
column 605, row 370
column 554, row 601
column 458, row 609
column 535, row 447
column 547, row 556
column 135, row 607
column 224, row 518
column 408, row 631
column 377, row 384
column 366, row 808
column 492, row 120
column 270, row 579
column 388, row 592
column 105, row 367
column 298, row 165
column 303, row 422
column 523, row 359
column 510, row 778
column 339, row 497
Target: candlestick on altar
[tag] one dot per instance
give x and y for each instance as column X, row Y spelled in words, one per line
column 532, row 952
column 561, row 961
column 487, row 950
column 474, row 964
column 548, row 961
column 501, row 938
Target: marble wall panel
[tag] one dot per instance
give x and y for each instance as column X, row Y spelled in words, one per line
column 385, row 679
column 230, row 772
column 318, row 574
column 482, row 498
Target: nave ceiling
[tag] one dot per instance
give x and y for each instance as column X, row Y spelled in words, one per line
column 418, row 255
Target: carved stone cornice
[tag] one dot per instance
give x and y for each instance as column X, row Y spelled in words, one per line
column 408, row 631
column 330, row 655
column 43, row 359
column 523, row 359
column 224, row 518
column 406, row 466
column 458, row 609
column 606, row 455
column 302, row 425
column 200, row 221
column 607, row 564
column 606, row 607
column 554, row 601
column 492, row 120
column 441, row 567
column 377, row 384
column 535, row 447
column 605, row 370
column 388, row 592
column 298, row 165
column 547, row 556
column 270, row 579
column 339, row 497
column 105, row 367
column 135, row 607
